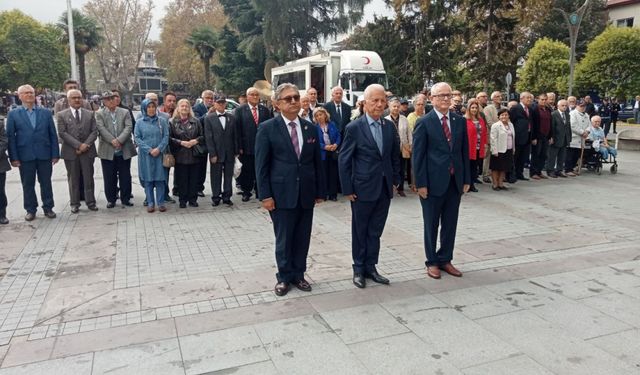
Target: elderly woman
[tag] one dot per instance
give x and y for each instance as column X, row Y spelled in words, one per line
column 187, row 146
column 477, row 133
column 330, row 139
column 152, row 138
column 305, row 108
column 406, row 138
column 502, row 148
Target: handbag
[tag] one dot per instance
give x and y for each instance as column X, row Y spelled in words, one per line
column 199, row 151
column 168, row 160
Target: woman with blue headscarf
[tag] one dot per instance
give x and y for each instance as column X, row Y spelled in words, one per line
column 152, row 138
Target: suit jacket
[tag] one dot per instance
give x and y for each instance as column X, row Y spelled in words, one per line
column 107, row 133
column 248, row 127
column 522, row 123
column 363, row 170
column 200, row 110
column 63, row 103
column 27, row 143
column 221, row 143
column 4, row 145
column 340, row 121
column 73, row 133
column 280, row 174
column 432, row 156
column 499, row 138
column 560, row 129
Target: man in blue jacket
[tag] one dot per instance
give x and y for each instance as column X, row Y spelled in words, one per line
column 33, row 147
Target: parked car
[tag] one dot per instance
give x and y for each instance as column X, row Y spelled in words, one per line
column 625, row 113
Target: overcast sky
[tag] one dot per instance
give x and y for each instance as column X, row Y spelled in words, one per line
column 50, row 10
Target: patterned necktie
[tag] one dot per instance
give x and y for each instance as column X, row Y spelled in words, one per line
column 294, row 138
column 377, row 135
column 255, row 114
column 447, row 135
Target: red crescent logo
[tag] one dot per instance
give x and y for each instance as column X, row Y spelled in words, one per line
column 367, row 60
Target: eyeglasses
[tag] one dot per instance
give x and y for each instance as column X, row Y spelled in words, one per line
column 291, row 98
column 442, row 96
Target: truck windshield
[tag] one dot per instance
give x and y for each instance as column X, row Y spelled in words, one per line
column 360, row 81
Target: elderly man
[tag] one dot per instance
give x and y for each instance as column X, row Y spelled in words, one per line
column 551, row 100
column 402, row 127
column 597, row 135
column 78, row 131
column 559, row 141
column 441, row 168
column 369, row 168
column 521, row 118
column 339, row 112
column 63, row 103
column 33, row 147
column 290, row 183
column 115, row 149
column 312, row 93
column 491, row 116
column 571, row 103
column 201, row 109
column 580, row 124
column 306, row 112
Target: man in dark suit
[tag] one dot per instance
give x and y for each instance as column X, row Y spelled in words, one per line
column 248, row 117
column 222, row 143
column 290, row 182
column 540, row 135
column 4, row 168
column 78, row 131
column 559, row 141
column 369, row 167
column 441, row 167
column 521, row 116
column 340, row 112
column 201, row 110
column 33, row 147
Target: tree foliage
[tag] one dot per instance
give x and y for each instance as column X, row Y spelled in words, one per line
column 234, row 71
column 546, row 68
column 612, row 63
column 87, row 35
column 30, row 53
column 205, row 42
column 126, row 25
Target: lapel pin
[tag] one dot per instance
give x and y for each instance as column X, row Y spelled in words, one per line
column 305, row 128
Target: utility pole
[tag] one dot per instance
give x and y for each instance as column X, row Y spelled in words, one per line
column 72, row 43
column 573, row 21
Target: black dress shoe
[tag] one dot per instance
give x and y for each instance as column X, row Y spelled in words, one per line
column 144, row 203
column 376, row 277
column 523, row 178
column 359, row 281
column 227, row 202
column 113, row 204
column 50, row 214
column 30, row 216
column 75, row 210
column 92, row 207
column 169, row 199
column 193, row 204
column 127, row 203
column 246, row 198
column 183, row 205
column 473, row 189
column 281, row 289
column 4, row 220
column 512, row 180
column 303, row 285
column 201, row 194
column 215, row 203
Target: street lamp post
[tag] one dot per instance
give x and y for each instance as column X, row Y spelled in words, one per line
column 72, row 42
column 573, row 21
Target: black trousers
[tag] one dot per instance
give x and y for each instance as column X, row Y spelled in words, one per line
column 220, row 171
column 80, row 180
column 187, row 177
column 614, row 121
column 248, row 175
column 407, row 168
column 441, row 212
column 475, row 167
column 539, row 154
column 3, row 194
column 331, row 174
column 520, row 157
column 202, row 173
column 292, row 228
column 571, row 160
column 28, row 172
column 367, row 223
column 116, row 172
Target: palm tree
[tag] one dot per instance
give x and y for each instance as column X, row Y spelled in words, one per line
column 205, row 41
column 88, row 35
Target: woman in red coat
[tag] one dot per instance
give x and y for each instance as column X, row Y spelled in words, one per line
column 477, row 132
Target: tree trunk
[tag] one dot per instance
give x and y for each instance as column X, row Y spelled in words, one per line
column 207, row 73
column 83, row 73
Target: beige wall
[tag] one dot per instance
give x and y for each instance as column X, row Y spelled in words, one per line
column 626, row 11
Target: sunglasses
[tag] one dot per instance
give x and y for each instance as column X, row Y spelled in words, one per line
column 291, row 98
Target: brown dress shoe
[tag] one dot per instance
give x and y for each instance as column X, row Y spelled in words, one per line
column 151, row 209
column 401, row 193
column 433, row 272
column 162, row 209
column 303, row 285
column 451, row 270
column 281, row 289
column 29, row 216
column 542, row 176
column 535, row 177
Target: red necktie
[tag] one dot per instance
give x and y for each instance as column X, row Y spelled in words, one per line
column 294, row 138
column 255, row 114
column 447, row 135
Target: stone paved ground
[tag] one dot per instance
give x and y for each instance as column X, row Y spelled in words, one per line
column 551, row 286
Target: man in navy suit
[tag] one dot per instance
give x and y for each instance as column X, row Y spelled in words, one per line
column 339, row 112
column 521, row 117
column 33, row 147
column 369, row 166
column 289, row 184
column 441, row 166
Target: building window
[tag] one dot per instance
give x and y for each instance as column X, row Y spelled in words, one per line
column 625, row 22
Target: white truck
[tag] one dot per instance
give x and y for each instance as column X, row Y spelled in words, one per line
column 350, row 69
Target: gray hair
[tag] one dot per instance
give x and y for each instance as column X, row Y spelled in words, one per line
column 438, row 86
column 73, row 91
column 23, row 88
column 248, row 92
column 419, row 96
column 282, row 87
column 525, row 94
column 371, row 88
column 495, row 94
column 393, row 100
column 335, row 88
column 205, row 92
column 151, row 96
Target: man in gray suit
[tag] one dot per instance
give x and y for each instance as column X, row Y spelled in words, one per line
column 77, row 129
column 115, row 149
column 560, row 139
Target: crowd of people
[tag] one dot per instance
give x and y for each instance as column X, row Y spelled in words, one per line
column 298, row 152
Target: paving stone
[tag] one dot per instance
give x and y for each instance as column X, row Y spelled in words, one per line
column 77, row 365
column 158, row 357
column 521, row 364
column 623, row 345
column 617, row 305
column 363, row 323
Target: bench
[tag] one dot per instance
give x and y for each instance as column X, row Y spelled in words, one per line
column 628, row 139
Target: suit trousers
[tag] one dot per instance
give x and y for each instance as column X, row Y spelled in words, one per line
column 292, row 228
column 539, row 156
column 202, row 173
column 407, row 168
column 248, row 175
column 116, row 172
column 571, row 160
column 441, row 211
column 367, row 223
column 187, row 177
column 521, row 156
column 485, row 162
column 80, row 179
column 220, row 171
column 28, row 172
column 3, row 195
column 331, row 175
column 555, row 159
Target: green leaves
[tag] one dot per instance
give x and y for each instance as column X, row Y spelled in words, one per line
column 546, row 68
